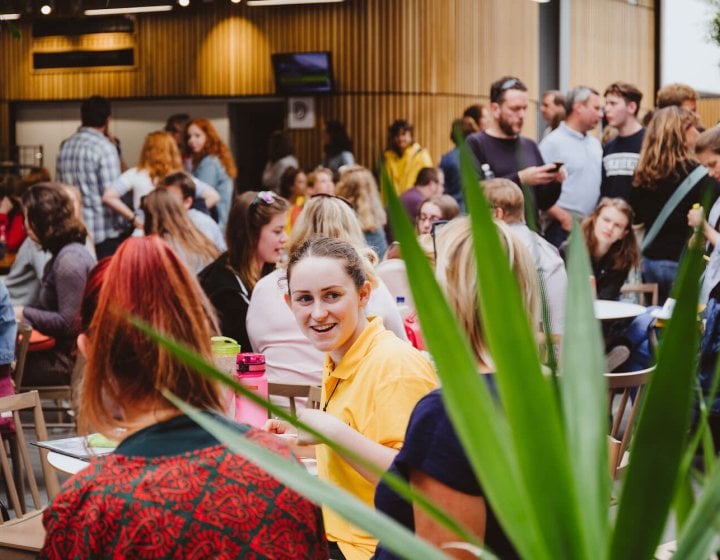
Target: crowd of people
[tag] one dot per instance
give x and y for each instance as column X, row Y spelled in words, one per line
column 305, row 270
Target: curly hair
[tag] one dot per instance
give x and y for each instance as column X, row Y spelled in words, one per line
column 51, row 216
column 213, row 147
column 159, row 155
column 625, row 252
column 664, row 152
column 358, row 186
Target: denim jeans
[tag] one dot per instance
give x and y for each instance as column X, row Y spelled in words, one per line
column 662, row 272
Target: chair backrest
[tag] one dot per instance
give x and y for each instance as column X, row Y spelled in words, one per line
column 14, row 404
column 314, row 397
column 22, row 342
column 289, row 390
column 643, row 290
column 625, row 388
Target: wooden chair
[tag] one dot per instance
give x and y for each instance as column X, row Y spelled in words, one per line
column 314, row 397
column 643, row 290
column 291, row 391
column 58, row 394
column 620, row 387
column 23, row 536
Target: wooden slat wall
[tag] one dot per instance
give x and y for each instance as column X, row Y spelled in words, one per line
column 709, row 110
column 424, row 60
column 612, row 40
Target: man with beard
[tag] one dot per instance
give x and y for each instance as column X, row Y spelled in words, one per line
column 500, row 150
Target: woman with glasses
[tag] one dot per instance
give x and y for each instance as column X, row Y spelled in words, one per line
column 255, row 238
column 437, row 208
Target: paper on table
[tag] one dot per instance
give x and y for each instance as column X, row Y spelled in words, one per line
column 74, row 447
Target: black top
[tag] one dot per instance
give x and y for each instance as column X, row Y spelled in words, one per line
column 432, row 446
column 620, row 158
column 608, row 281
column 507, row 156
column 649, row 202
column 230, row 299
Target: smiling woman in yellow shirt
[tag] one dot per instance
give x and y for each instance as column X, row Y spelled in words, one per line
column 371, row 379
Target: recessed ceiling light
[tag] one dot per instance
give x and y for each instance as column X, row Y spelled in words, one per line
column 184, row 3
column 131, row 10
column 46, row 9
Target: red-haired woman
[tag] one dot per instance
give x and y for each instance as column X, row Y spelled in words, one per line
column 255, row 239
column 52, row 222
column 212, row 163
column 170, row 489
column 159, row 157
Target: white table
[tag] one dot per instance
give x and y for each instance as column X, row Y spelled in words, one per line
column 610, row 310
column 65, row 463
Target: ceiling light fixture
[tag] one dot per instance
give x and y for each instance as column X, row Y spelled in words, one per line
column 46, row 9
column 9, row 17
column 289, row 2
column 235, row 1
column 129, row 10
column 183, row 3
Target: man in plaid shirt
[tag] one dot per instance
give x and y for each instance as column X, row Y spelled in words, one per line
column 90, row 161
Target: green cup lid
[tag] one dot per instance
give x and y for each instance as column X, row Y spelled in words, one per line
column 224, row 346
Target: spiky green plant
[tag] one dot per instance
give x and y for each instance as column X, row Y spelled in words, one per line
column 543, row 460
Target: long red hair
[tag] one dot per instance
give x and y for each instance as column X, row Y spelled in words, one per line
column 159, row 155
column 124, row 367
column 213, row 147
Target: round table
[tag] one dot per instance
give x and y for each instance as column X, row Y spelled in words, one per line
column 65, row 463
column 610, row 310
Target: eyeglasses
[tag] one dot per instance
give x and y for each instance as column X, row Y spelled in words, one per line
column 436, row 226
column 268, row 197
column 428, row 218
column 328, row 195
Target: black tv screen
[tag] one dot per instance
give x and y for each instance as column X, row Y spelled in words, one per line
column 302, row 73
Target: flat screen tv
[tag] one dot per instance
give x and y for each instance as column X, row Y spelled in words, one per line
column 302, row 73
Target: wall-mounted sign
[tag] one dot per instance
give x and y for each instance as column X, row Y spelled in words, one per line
column 301, row 112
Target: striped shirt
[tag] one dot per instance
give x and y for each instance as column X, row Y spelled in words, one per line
column 89, row 161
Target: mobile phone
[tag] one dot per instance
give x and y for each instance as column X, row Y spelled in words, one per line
column 558, row 165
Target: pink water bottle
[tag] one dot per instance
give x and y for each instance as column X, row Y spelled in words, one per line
column 251, row 375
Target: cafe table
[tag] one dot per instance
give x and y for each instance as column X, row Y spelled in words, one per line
column 610, row 310
column 72, row 455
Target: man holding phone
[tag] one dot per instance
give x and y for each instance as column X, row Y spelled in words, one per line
column 505, row 153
